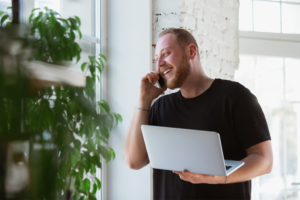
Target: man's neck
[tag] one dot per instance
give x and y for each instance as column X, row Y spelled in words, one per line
column 196, row 83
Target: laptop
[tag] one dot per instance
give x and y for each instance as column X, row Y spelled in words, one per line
column 194, row 150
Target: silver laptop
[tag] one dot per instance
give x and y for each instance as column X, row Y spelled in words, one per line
column 178, row 149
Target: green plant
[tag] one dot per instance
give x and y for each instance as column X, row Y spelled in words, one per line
column 74, row 114
column 4, row 17
column 79, row 126
column 55, row 36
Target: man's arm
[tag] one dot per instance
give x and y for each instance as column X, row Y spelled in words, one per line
column 136, row 155
column 258, row 162
column 135, row 152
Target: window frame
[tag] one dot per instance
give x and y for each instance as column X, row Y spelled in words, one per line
column 280, row 2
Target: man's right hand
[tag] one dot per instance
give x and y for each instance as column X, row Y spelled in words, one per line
column 148, row 90
column 135, row 151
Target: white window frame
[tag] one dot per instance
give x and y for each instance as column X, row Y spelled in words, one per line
column 269, row 44
column 280, row 2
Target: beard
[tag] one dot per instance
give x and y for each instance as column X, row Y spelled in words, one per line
column 181, row 73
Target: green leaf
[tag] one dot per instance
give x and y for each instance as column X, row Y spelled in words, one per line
column 119, row 117
column 102, row 64
column 86, row 185
column 93, row 169
column 103, row 151
column 52, row 20
column 1, row 13
column 96, row 160
column 72, row 35
column 78, row 20
column 94, row 189
column 3, row 19
column 80, row 171
column 103, row 56
column 98, row 183
column 79, row 32
column 35, row 9
column 112, row 153
column 10, row 7
column 30, row 18
column 104, row 105
column 77, row 143
column 91, row 197
column 92, row 59
column 73, row 23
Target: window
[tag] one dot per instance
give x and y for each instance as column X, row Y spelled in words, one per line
column 51, row 4
column 4, row 4
column 277, row 16
column 275, row 83
column 91, row 14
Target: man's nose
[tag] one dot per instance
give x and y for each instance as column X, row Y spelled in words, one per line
column 160, row 62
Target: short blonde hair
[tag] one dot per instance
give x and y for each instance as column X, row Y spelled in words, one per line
column 183, row 37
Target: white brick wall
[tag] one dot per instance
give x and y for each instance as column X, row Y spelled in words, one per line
column 214, row 24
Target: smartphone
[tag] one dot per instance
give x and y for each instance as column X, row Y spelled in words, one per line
column 161, row 81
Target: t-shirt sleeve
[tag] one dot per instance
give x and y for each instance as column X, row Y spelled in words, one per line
column 249, row 120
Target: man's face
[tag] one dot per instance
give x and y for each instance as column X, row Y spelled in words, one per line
column 171, row 61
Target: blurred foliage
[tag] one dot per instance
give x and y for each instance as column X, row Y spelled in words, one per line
column 81, row 132
column 79, row 126
column 5, row 18
column 55, row 35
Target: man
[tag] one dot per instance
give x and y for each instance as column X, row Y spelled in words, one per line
column 202, row 103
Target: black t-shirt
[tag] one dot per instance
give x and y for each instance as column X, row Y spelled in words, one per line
column 227, row 108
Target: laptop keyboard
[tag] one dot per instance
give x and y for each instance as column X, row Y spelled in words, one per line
column 227, row 167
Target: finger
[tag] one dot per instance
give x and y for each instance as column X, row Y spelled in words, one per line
column 177, row 172
column 153, row 78
column 150, row 78
column 156, row 74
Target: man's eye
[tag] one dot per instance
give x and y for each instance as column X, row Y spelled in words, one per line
column 165, row 54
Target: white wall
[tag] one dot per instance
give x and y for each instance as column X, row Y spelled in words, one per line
column 214, row 24
column 129, row 58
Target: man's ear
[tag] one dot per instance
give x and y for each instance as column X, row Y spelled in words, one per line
column 191, row 51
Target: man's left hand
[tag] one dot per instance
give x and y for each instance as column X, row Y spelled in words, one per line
column 200, row 178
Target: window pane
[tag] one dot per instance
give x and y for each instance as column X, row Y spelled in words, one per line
column 266, row 16
column 51, row 4
column 266, row 74
column 245, row 15
column 292, row 71
column 290, row 18
column 296, row 1
column 271, row 185
column 269, row 72
column 4, row 4
column 291, row 131
column 246, row 73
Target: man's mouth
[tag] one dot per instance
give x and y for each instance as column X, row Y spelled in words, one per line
column 167, row 71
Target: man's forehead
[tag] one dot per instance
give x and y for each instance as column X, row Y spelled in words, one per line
column 166, row 41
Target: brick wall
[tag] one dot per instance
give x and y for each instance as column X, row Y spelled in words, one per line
column 214, row 24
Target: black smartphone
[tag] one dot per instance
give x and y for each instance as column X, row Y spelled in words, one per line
column 161, row 81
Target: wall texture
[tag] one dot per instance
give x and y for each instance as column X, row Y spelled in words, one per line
column 214, row 24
